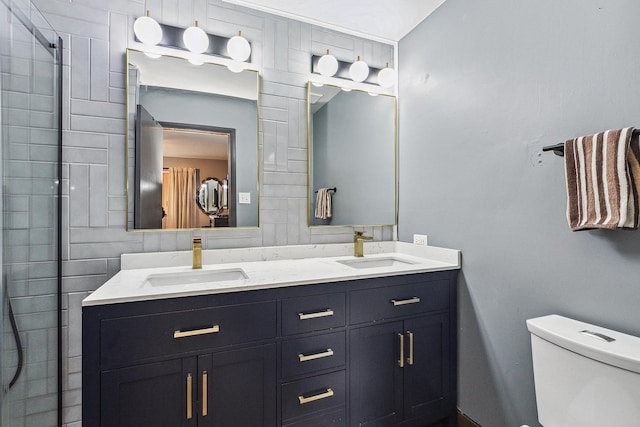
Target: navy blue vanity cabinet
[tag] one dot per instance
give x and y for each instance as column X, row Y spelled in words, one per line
column 218, row 389
column 149, row 394
column 313, row 360
column 402, row 357
column 207, row 361
column 378, row 351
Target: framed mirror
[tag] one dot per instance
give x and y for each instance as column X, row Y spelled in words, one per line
column 190, row 126
column 352, row 157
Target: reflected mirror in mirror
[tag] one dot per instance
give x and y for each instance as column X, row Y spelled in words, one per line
column 352, row 152
column 191, row 126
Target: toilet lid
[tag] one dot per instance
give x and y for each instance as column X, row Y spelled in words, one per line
column 605, row 345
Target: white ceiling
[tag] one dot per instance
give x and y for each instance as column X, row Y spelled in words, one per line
column 384, row 20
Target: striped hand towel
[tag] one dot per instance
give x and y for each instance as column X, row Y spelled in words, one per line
column 603, row 180
column 323, row 204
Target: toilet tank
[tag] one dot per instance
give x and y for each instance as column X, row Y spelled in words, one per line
column 585, row 375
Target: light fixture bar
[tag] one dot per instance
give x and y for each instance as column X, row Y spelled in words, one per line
column 343, row 70
column 172, row 37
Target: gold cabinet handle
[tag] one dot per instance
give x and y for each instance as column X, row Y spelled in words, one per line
column 410, row 358
column 315, row 397
column 304, row 316
column 413, row 300
column 306, row 358
column 205, row 397
column 182, row 334
column 401, row 359
column 189, row 397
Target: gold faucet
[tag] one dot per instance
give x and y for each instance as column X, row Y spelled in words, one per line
column 197, row 252
column 358, row 247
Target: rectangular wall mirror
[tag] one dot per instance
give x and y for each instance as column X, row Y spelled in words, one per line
column 192, row 144
column 352, row 153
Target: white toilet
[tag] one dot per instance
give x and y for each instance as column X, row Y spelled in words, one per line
column 585, row 375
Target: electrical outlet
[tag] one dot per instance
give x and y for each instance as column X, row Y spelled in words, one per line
column 420, row 239
column 244, row 198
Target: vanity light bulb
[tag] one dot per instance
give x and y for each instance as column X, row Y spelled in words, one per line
column 359, row 71
column 346, row 89
column 387, row 77
column 194, row 60
column 147, row 30
column 195, row 39
column 328, row 65
column 235, row 67
column 372, row 94
column 239, row 48
column 152, row 55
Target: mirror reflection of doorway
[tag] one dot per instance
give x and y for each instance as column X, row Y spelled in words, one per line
column 185, row 156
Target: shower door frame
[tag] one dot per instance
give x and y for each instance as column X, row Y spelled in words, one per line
column 56, row 50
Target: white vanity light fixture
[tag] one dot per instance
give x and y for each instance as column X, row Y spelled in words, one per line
column 195, row 60
column 359, row 71
column 147, row 30
column 195, row 39
column 354, row 76
column 239, row 48
column 318, row 80
column 328, row 65
column 235, row 66
column 387, row 77
column 199, row 47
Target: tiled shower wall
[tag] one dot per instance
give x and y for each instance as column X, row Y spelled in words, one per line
column 96, row 34
column 29, row 144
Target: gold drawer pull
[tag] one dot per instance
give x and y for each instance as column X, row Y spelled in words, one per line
column 410, row 358
column 320, row 396
column 413, row 300
column 304, row 316
column 189, row 397
column 205, row 397
column 305, row 358
column 212, row 330
column 401, row 358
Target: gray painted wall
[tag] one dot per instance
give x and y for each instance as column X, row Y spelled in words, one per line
column 354, row 151
column 504, row 79
column 179, row 106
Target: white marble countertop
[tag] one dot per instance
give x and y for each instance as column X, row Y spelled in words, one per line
column 265, row 267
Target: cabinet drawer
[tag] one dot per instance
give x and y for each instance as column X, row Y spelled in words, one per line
column 127, row 339
column 332, row 419
column 306, row 355
column 313, row 313
column 304, row 397
column 401, row 300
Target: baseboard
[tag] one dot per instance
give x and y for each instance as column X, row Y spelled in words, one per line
column 465, row 421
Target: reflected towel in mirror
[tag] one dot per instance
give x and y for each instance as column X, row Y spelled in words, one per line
column 323, row 204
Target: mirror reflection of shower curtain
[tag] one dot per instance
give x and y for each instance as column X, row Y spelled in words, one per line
column 182, row 211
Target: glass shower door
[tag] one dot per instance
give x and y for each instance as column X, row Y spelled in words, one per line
column 30, row 142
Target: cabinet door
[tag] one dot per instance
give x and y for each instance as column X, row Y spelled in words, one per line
column 375, row 375
column 426, row 372
column 240, row 388
column 153, row 394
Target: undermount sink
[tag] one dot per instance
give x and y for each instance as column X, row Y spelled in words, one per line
column 194, row 277
column 376, row 262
